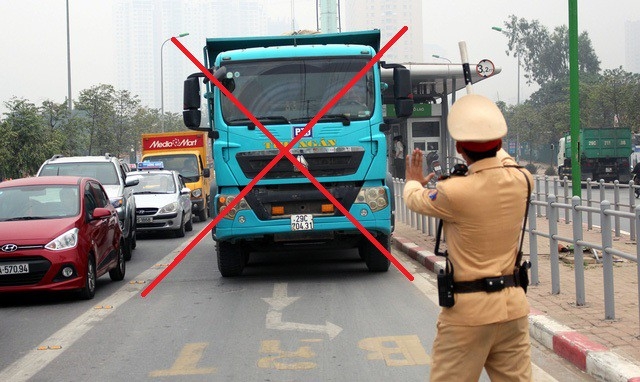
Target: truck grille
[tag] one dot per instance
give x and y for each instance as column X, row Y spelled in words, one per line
column 300, row 199
column 333, row 161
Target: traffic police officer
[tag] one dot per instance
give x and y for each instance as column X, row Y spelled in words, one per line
column 483, row 214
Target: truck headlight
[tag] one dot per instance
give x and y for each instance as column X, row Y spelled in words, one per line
column 225, row 200
column 197, row 193
column 375, row 197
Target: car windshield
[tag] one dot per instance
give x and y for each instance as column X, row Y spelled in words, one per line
column 104, row 172
column 39, row 202
column 155, row 184
column 293, row 91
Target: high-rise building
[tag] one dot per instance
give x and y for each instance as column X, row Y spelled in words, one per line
column 631, row 43
column 142, row 26
column 389, row 17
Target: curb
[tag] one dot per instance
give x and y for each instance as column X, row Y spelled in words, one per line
column 592, row 358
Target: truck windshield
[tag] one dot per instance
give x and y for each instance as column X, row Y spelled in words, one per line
column 294, row 91
column 185, row 164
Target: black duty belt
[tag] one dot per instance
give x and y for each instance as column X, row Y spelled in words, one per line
column 488, row 284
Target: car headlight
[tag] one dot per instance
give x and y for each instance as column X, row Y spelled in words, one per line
column 196, row 193
column 67, row 240
column 117, row 202
column 375, row 197
column 169, row 208
column 225, row 200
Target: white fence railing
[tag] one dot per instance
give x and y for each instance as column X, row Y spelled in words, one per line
column 546, row 203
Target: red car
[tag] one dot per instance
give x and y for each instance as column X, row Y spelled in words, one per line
column 58, row 233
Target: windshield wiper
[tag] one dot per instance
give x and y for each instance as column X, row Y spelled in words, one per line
column 265, row 120
column 346, row 121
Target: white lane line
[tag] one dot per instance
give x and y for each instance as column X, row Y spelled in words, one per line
column 427, row 284
column 31, row 363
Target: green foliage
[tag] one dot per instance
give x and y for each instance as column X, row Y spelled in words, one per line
column 545, row 117
column 550, row 171
column 103, row 120
column 532, row 168
column 544, row 55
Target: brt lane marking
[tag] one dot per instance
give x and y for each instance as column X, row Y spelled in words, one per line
column 279, row 301
column 35, row 360
column 187, row 362
column 275, row 361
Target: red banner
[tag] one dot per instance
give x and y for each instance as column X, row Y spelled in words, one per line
column 172, row 142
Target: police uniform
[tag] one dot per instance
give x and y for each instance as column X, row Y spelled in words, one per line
column 483, row 214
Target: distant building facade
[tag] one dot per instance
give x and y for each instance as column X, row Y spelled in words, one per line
column 141, row 27
column 389, row 17
column 631, row 46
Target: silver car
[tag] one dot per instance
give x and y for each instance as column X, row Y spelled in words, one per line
column 162, row 202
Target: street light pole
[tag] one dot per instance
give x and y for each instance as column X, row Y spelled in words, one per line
column 517, row 100
column 162, row 78
column 69, row 103
column 440, row 57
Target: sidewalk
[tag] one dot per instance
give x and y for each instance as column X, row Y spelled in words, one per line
column 606, row 349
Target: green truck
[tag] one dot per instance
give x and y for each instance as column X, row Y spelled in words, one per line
column 604, row 154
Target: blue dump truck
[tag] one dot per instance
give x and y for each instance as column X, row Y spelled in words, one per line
column 284, row 81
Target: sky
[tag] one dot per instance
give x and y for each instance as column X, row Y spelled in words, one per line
column 33, row 64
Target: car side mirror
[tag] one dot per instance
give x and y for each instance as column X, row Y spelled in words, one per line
column 100, row 212
column 130, row 182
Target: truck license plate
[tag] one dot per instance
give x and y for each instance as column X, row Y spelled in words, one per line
column 303, row 222
column 14, row 269
column 608, row 169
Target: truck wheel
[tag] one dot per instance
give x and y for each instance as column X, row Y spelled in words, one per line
column 376, row 261
column 231, row 258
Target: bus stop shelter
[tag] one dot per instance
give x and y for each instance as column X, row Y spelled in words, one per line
column 435, row 86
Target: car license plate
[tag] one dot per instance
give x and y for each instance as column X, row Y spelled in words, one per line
column 303, row 222
column 144, row 219
column 14, row 269
column 608, row 169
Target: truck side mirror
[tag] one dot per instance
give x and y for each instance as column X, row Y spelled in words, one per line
column 206, row 172
column 402, row 92
column 191, row 103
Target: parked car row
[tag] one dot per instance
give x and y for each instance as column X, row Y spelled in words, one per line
column 78, row 218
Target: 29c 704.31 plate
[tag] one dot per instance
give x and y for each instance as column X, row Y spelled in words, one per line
column 302, row 222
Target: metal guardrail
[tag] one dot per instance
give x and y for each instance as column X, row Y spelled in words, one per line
column 542, row 200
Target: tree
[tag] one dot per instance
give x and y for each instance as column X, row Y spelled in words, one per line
column 126, row 108
column 611, row 100
column 545, row 56
column 97, row 107
column 27, row 138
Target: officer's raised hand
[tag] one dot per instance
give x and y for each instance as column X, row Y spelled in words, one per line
column 413, row 168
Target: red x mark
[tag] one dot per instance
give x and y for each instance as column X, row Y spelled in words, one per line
column 283, row 152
